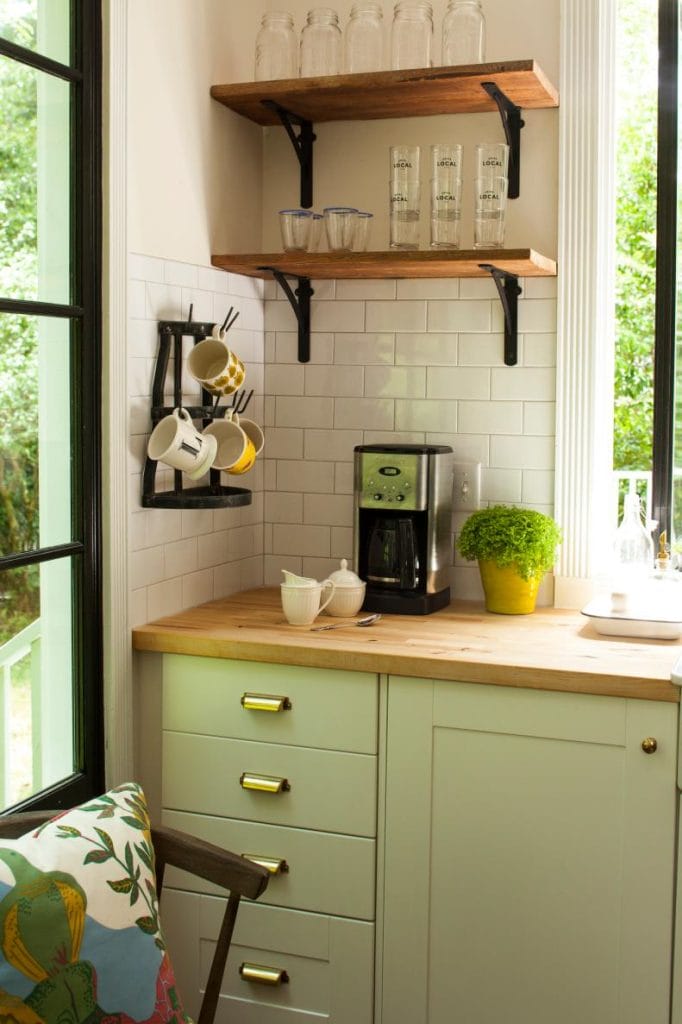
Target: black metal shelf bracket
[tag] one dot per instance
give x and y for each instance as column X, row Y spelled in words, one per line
column 299, row 300
column 512, row 123
column 303, row 146
column 509, row 290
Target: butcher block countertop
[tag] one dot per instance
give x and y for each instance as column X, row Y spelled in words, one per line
column 551, row 649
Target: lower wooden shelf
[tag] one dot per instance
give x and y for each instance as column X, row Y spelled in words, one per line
column 391, row 264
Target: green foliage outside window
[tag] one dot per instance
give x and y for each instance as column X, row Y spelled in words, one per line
column 19, row 596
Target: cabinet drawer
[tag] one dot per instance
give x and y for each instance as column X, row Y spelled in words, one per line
column 329, row 961
column 327, row 873
column 329, row 708
column 329, row 790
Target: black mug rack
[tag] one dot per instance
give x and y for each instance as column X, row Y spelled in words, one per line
column 172, row 334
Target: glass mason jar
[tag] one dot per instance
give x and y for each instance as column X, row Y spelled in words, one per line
column 363, row 42
column 411, row 35
column 321, row 43
column 463, row 33
column 276, row 55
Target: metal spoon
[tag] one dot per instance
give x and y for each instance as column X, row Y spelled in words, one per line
column 367, row 621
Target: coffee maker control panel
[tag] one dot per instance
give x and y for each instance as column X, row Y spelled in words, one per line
column 393, row 480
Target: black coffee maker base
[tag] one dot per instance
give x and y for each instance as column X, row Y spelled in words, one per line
column 405, row 604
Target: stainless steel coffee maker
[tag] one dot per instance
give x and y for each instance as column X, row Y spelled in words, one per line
column 402, row 526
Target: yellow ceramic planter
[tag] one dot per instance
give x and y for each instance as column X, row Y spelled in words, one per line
column 505, row 591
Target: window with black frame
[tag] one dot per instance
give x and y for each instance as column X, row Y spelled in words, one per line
column 50, row 354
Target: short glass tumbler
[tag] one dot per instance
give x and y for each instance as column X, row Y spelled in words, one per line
column 339, row 222
column 363, row 228
column 411, row 35
column 276, row 47
column 363, row 40
column 295, row 226
column 321, row 44
column 490, row 199
column 404, row 214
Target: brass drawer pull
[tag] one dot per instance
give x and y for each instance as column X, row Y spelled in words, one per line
column 263, row 975
column 263, row 783
column 275, row 865
column 649, row 745
column 265, row 702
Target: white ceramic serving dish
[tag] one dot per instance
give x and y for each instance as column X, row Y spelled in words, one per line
column 634, row 622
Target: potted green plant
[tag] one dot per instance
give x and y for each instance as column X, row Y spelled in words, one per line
column 515, row 547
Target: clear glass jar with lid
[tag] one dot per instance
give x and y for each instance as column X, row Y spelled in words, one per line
column 321, row 43
column 411, row 35
column 363, row 41
column 464, row 33
column 276, row 51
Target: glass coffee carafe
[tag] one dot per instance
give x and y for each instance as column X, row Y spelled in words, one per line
column 392, row 555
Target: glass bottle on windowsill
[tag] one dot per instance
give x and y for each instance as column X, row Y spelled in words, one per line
column 633, row 550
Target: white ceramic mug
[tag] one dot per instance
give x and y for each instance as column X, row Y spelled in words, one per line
column 302, row 605
column 177, row 442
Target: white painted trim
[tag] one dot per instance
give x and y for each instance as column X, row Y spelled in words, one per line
column 118, row 702
column 585, row 327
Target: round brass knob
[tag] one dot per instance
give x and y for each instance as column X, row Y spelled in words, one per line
column 649, row 745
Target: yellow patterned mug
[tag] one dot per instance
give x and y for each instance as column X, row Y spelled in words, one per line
column 217, row 368
column 236, row 453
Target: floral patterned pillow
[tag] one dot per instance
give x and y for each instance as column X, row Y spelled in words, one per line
column 80, row 938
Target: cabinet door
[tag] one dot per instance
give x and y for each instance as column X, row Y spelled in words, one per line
column 529, row 857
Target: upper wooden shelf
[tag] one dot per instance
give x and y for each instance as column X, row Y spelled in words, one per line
column 382, row 94
column 393, row 264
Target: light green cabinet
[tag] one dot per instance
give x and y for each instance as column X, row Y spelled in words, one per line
column 226, row 723
column 529, row 857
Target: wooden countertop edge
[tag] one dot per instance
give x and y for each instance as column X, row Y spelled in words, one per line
column 445, row 666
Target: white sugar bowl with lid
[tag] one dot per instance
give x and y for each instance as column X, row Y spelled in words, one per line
column 349, row 593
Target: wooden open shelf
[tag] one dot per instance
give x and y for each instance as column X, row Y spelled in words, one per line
column 391, row 264
column 419, row 92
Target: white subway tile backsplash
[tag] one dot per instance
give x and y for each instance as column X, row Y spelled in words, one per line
column 331, row 445
column 364, row 349
column 537, row 315
column 284, row 379
column 500, row 485
column 393, row 437
column 491, row 418
column 184, row 274
column 467, row 447
column 281, row 507
column 197, row 588
column 341, row 381
column 426, row 349
column 435, row 288
column 301, row 540
column 304, row 412
column 342, row 543
column 143, row 338
column 516, row 383
column 352, row 289
column 337, row 316
column 462, row 315
column 284, row 443
column 533, row 453
column 539, row 287
column 196, row 521
column 324, row 290
column 367, row 413
column 164, row 302
column 539, row 349
column 137, row 300
column 328, row 509
column 146, row 268
column 165, row 598
column 181, row 557
column 321, row 347
column 538, row 487
column 210, row 279
column 481, row 350
column 227, row 579
column 279, row 316
column 457, row 382
column 395, row 382
column 395, row 316
column 305, row 476
column 539, row 418
column 430, row 414
column 478, row 288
